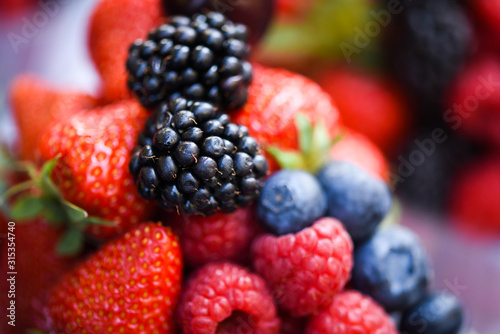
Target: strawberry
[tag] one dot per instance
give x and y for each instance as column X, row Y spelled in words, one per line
column 36, row 105
column 368, row 104
column 35, row 253
column 130, row 285
column 474, row 101
column 474, row 197
column 92, row 171
column 489, row 12
column 114, row 26
column 359, row 150
column 276, row 97
column 295, row 10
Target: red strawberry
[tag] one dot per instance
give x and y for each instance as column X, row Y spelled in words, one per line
column 359, row 150
column 474, row 103
column 215, row 238
column 131, row 285
column 92, row 173
column 294, row 9
column 114, row 26
column 368, row 104
column 36, row 105
column 489, row 12
column 475, row 197
column 351, row 312
column 37, row 265
column 307, row 269
column 275, row 99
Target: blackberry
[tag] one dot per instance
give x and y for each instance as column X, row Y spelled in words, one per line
column 200, row 58
column 197, row 162
column 427, row 45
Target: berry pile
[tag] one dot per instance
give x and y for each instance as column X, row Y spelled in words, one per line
column 193, row 160
column 202, row 59
column 309, row 256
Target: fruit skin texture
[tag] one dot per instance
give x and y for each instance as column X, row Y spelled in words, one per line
column 140, row 272
column 473, row 202
column 478, row 82
column 215, row 238
column 36, row 105
column 392, row 268
column 352, row 312
column 305, row 270
column 439, row 313
column 370, row 105
column 355, row 198
column 291, row 200
column 275, row 98
column 38, row 267
column 357, row 149
column 225, row 298
column 114, row 26
column 92, row 173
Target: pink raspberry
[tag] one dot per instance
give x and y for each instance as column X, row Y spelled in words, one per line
column 224, row 298
column 305, row 270
column 215, row 238
column 352, row 312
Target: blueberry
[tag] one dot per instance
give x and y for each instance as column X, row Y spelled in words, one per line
column 290, row 201
column 357, row 199
column 438, row 313
column 392, row 267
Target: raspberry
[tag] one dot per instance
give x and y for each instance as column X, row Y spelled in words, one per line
column 306, row 269
column 351, row 312
column 193, row 161
column 225, row 298
column 215, row 238
column 200, row 58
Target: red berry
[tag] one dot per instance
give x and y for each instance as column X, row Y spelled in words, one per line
column 370, row 105
column 292, row 325
column 36, row 105
column 489, row 12
column 217, row 237
column 351, row 312
column 130, row 285
column 474, row 104
column 307, row 269
column 359, row 150
column 114, row 26
column 92, row 172
column 224, row 298
column 275, row 98
column 475, row 194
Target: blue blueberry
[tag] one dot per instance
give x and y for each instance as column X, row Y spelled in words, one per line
column 438, row 313
column 357, row 199
column 290, row 201
column 392, row 267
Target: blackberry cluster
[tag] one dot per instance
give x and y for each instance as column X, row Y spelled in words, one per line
column 428, row 45
column 193, row 160
column 201, row 59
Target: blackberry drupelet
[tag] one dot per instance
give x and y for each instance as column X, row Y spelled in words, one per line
column 193, row 160
column 201, row 59
column 427, row 45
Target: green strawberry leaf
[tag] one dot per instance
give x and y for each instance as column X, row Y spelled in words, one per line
column 45, row 182
column 26, row 207
column 71, row 242
column 305, row 131
column 74, row 213
column 99, row 221
column 287, row 159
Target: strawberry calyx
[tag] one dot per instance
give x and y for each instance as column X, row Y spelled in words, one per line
column 314, row 146
column 39, row 197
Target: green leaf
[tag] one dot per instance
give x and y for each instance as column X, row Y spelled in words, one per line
column 26, row 207
column 99, row 221
column 53, row 211
column 71, row 242
column 46, row 184
column 305, row 131
column 287, row 159
column 75, row 214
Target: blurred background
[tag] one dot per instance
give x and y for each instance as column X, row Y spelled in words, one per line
column 417, row 83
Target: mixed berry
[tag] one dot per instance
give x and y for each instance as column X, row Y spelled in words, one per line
column 212, row 196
